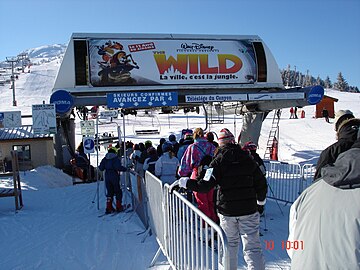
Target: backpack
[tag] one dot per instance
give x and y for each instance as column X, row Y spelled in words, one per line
column 204, row 162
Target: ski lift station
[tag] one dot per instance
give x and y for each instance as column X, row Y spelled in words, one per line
column 140, row 71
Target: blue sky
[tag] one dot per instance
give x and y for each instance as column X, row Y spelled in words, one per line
column 322, row 36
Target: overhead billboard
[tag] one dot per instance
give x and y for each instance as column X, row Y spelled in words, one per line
column 134, row 62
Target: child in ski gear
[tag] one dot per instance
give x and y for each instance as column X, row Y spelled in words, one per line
column 167, row 164
column 111, row 164
column 189, row 167
column 242, row 188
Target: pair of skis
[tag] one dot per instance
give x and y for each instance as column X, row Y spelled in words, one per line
column 126, row 209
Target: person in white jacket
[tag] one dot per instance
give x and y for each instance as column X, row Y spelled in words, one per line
column 324, row 230
column 166, row 166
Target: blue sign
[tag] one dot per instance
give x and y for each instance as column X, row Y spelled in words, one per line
column 315, row 95
column 141, row 99
column 63, row 101
column 89, row 145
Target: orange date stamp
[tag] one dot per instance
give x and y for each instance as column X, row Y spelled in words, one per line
column 285, row 245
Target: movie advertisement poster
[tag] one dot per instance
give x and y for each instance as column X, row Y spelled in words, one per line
column 171, row 62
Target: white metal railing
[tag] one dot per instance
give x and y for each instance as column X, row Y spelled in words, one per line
column 186, row 236
column 287, row 181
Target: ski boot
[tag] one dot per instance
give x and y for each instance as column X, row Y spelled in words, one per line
column 109, row 206
column 119, row 207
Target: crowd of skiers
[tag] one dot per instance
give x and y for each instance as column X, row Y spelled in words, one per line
column 228, row 182
column 232, row 196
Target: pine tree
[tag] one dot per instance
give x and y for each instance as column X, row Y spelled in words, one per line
column 319, row 81
column 341, row 83
column 327, row 82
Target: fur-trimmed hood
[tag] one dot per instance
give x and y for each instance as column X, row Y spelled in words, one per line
column 347, row 130
column 345, row 172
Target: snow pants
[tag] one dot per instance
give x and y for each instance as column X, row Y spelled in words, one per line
column 205, row 202
column 246, row 228
column 113, row 188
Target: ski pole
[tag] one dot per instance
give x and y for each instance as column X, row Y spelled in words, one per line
column 93, row 200
column 265, row 221
column 275, row 199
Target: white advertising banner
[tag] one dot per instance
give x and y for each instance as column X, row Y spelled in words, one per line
column 171, row 62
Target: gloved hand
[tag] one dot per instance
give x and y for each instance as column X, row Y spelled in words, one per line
column 261, row 209
column 174, row 186
column 183, row 181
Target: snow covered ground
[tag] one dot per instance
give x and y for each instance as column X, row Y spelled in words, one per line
column 59, row 227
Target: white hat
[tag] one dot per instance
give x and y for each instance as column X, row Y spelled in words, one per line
column 342, row 115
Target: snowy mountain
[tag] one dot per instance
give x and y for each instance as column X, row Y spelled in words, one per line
column 49, row 51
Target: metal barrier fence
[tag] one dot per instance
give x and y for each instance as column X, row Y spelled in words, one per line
column 287, row 181
column 186, row 236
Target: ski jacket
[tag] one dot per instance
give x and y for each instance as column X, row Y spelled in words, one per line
column 326, row 218
column 165, row 168
column 112, row 166
column 144, row 155
column 81, row 160
column 241, row 183
column 193, row 156
column 259, row 161
column 149, row 164
column 134, row 156
column 176, row 146
column 183, row 148
column 346, row 137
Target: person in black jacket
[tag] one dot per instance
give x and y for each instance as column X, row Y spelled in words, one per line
column 242, row 187
column 112, row 166
column 325, row 114
column 346, row 127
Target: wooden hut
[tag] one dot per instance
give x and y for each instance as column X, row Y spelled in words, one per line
column 327, row 103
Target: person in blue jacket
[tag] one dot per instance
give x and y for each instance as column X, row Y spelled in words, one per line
column 111, row 164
